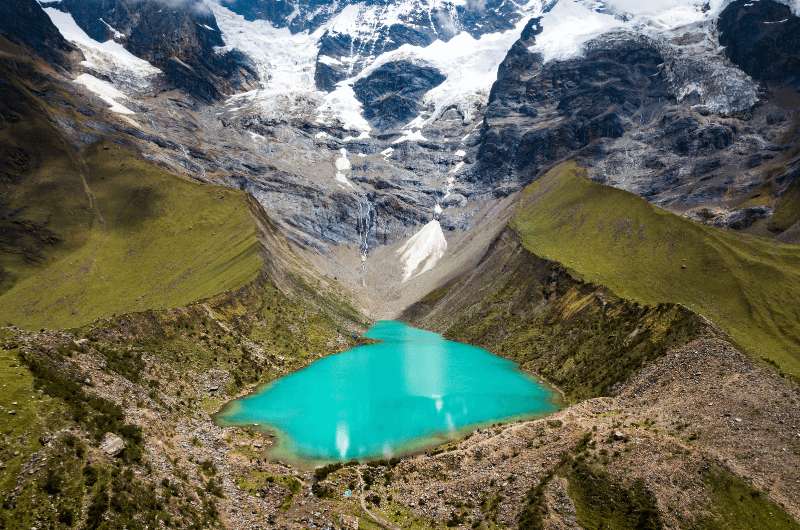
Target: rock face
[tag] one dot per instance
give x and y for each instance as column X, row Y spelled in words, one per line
column 763, row 39
column 391, row 94
column 541, row 112
column 180, row 38
column 662, row 115
column 24, row 22
column 321, row 212
column 735, row 219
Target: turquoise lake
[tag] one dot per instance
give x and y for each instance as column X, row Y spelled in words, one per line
column 412, row 389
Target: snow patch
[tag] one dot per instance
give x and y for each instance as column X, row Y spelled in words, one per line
column 658, row 14
column 327, row 59
column 364, row 135
column 343, row 163
column 343, row 167
column 410, row 135
column 567, row 27
column 362, row 19
column 341, row 106
column 105, row 91
column 423, row 250
column 114, row 32
column 680, row 11
column 109, row 58
column 285, row 63
column 570, row 24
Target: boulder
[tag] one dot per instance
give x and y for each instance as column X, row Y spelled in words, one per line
column 112, row 444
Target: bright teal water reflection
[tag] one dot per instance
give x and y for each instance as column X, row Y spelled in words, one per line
column 386, row 398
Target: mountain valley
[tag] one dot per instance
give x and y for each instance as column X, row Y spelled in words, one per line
column 201, row 197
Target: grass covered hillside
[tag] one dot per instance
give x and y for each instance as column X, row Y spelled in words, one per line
column 180, row 296
column 96, row 231
column 154, row 378
column 153, row 241
column 748, row 286
column 577, row 335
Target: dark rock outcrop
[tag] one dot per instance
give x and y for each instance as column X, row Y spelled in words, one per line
column 666, row 117
column 179, row 38
column 541, row 112
column 763, row 39
column 391, row 94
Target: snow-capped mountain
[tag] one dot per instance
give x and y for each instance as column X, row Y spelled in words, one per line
column 341, row 63
column 337, row 63
column 373, row 123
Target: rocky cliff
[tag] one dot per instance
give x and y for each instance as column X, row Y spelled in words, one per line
column 663, row 114
column 180, row 38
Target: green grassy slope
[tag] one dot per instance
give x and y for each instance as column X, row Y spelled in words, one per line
column 787, row 209
column 578, row 336
column 609, row 498
column 43, row 204
column 87, row 232
column 252, row 335
column 155, row 241
column 736, row 505
column 748, row 286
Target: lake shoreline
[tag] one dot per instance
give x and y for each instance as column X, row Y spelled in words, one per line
column 425, row 347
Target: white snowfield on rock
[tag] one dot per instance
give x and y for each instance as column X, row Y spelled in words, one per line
column 423, row 250
column 286, row 62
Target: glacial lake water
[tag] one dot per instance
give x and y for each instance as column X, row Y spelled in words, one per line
column 410, row 390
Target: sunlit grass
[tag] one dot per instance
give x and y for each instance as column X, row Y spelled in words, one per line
column 748, row 286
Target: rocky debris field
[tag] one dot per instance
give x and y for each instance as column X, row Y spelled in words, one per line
column 698, row 407
column 700, row 410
